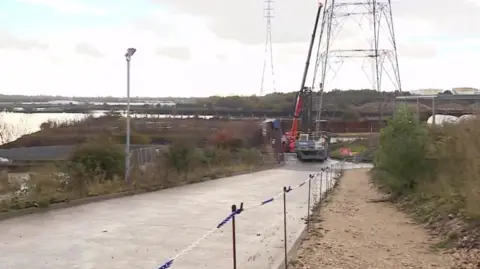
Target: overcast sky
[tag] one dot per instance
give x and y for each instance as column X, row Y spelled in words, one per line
column 207, row 47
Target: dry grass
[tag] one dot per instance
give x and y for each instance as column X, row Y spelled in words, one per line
column 445, row 192
column 456, row 151
column 451, row 175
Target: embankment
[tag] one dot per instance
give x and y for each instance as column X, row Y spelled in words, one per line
column 434, row 174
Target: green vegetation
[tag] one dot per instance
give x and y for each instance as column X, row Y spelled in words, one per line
column 100, row 157
column 279, row 100
column 286, row 101
column 434, row 172
column 344, row 104
column 96, row 167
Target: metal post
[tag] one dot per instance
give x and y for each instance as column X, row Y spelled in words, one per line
column 234, row 238
column 332, row 176
column 326, row 184
column 394, row 107
column 329, row 179
column 285, row 225
column 418, row 109
column 308, row 202
column 127, row 122
column 321, row 187
column 434, row 111
column 128, row 57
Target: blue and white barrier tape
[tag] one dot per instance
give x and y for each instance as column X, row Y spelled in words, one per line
column 287, row 189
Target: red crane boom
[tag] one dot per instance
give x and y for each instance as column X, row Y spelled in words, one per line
column 293, row 133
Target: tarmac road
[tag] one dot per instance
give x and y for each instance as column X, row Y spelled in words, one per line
column 143, row 231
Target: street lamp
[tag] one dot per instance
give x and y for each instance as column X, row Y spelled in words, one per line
column 128, row 57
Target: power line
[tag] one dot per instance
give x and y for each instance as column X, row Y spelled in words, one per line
column 375, row 24
column 268, row 52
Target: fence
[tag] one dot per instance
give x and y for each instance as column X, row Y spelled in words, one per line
column 319, row 185
column 148, row 155
column 143, row 156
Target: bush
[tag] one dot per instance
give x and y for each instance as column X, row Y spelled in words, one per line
column 99, row 157
column 402, row 153
column 179, row 157
column 250, row 156
column 436, row 165
column 226, row 140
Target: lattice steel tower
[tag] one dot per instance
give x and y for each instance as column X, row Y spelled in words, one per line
column 370, row 39
column 268, row 13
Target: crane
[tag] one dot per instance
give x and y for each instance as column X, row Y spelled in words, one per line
column 304, row 93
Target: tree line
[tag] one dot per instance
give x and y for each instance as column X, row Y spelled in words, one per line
column 337, row 99
column 269, row 101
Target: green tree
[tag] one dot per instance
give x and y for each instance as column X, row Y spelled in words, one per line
column 402, row 153
column 179, row 156
column 99, row 157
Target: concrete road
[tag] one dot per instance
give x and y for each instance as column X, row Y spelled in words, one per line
column 143, row 231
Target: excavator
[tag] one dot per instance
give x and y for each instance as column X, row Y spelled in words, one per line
column 304, row 144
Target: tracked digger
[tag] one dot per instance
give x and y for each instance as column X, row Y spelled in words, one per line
column 301, row 139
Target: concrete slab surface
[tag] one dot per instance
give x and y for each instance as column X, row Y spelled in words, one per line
column 143, row 231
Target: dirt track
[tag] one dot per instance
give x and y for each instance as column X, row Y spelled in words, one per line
column 355, row 233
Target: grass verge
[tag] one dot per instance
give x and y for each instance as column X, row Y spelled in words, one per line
column 96, row 168
column 44, row 189
column 433, row 173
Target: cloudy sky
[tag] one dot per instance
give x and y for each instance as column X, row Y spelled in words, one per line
column 207, row 47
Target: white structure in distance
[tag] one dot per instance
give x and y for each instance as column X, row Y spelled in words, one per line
column 454, row 91
column 442, row 119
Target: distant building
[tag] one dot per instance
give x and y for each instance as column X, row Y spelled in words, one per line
column 64, row 102
column 427, row 92
column 465, row 91
column 166, row 103
column 454, row 91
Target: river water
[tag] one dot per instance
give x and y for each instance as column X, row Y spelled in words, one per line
column 14, row 125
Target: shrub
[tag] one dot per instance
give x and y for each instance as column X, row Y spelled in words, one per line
column 226, row 140
column 47, row 125
column 250, row 156
column 217, row 156
column 436, row 165
column 179, row 156
column 99, row 157
column 402, row 152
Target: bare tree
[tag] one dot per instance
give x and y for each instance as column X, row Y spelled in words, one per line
column 8, row 131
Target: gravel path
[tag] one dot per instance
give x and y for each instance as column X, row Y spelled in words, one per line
column 354, row 233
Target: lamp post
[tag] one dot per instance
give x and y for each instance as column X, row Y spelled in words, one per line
column 128, row 57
